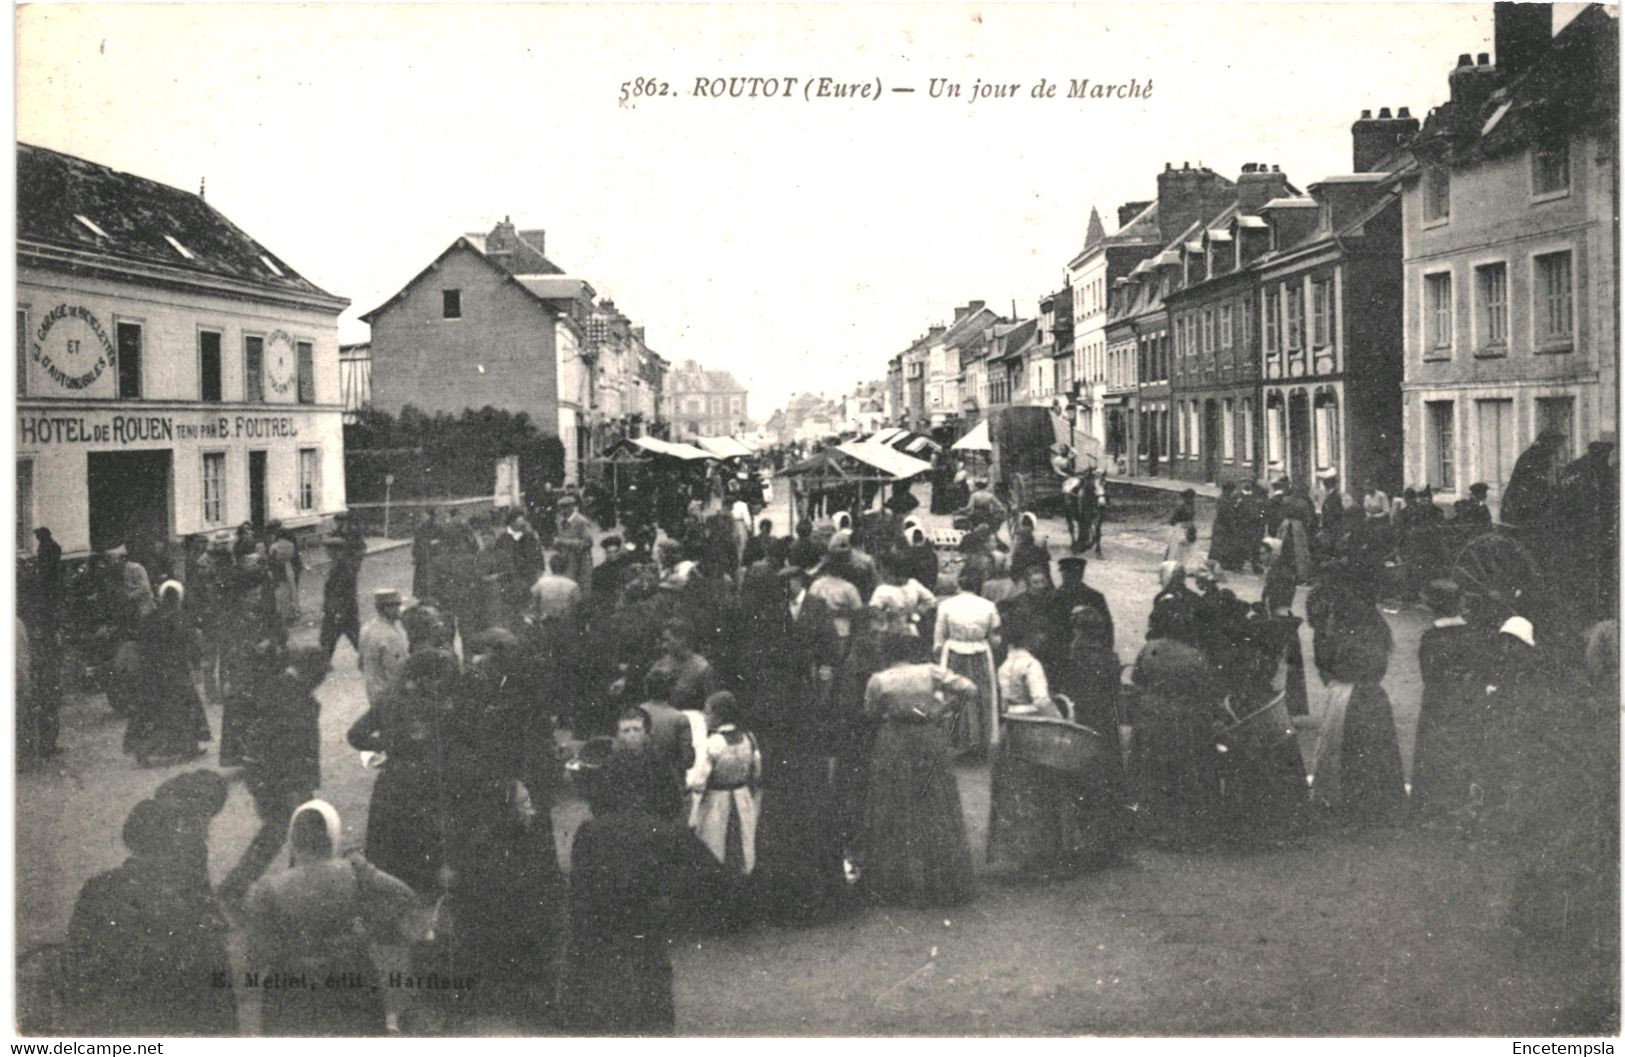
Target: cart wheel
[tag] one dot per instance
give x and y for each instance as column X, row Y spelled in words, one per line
column 1495, row 566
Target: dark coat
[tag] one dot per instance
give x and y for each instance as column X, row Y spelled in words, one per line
column 146, row 950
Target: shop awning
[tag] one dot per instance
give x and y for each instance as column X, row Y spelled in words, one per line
column 978, row 439
column 655, row 446
column 723, row 447
column 887, row 460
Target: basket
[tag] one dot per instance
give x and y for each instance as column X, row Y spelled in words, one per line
column 1057, row 744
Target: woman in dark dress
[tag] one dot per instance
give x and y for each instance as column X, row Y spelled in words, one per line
column 916, row 848
column 168, row 722
column 1455, row 659
column 409, row 817
column 1355, row 769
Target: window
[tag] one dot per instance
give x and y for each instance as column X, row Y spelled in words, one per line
column 309, row 478
column 1207, row 331
column 1294, row 318
column 451, row 304
column 214, row 487
column 129, row 361
column 22, row 347
column 25, row 505
column 1441, row 444
column 1490, row 288
column 1247, row 452
column 1274, row 432
column 1180, row 432
column 1246, row 322
column 1554, row 298
column 1436, row 311
column 1551, row 170
column 1326, row 429
column 208, row 365
column 1229, row 431
column 1495, row 442
column 307, row 371
column 1322, row 293
column 1195, row 428
column 1555, row 414
column 1272, row 315
column 1226, row 327
column 254, row 369
column 1436, row 196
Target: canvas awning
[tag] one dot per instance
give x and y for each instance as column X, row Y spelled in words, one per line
column 723, row 447
column 978, row 439
column 655, row 446
column 887, row 460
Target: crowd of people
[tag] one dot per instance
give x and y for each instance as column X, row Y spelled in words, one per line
column 767, row 728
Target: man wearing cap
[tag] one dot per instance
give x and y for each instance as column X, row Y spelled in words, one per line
column 1474, row 509
column 574, row 541
column 341, row 617
column 384, row 646
column 1073, row 593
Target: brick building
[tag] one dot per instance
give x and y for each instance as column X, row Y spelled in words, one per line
column 1510, row 253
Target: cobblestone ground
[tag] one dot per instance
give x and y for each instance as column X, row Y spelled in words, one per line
column 1391, row 932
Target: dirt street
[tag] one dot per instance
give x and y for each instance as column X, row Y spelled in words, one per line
column 1391, row 932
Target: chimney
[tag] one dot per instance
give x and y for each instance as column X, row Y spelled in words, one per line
column 1523, row 35
column 500, row 241
column 1377, row 137
column 1258, row 186
column 1470, row 86
column 1128, row 211
column 1186, row 195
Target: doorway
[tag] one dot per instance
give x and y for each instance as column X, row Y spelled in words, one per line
column 129, row 497
column 256, row 489
column 1298, row 440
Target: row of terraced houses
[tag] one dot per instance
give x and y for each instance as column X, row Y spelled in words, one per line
column 1419, row 319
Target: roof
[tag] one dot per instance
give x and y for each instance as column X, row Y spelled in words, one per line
column 464, row 244
column 77, row 205
column 1573, row 85
column 556, row 287
column 971, row 326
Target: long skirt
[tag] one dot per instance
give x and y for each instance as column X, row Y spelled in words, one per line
column 1449, row 754
column 725, row 822
column 1356, row 767
column 917, row 851
column 321, row 1011
column 403, row 833
column 1175, row 770
column 976, row 724
column 1262, row 777
column 1047, row 822
column 799, row 876
column 167, row 719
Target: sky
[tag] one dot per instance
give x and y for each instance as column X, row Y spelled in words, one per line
column 798, row 242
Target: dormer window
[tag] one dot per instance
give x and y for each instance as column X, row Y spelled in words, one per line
column 1436, row 196
column 91, row 224
column 175, row 244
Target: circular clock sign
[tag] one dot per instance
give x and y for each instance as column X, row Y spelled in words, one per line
column 281, row 370
column 71, row 346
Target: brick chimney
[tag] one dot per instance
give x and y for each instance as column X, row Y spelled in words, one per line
column 1129, row 210
column 968, row 310
column 1255, row 187
column 1523, row 34
column 1377, row 137
column 1471, row 85
column 500, row 242
column 1186, row 195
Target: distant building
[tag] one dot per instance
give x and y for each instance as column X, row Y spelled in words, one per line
column 173, row 375
column 706, row 403
column 1510, row 253
column 493, row 322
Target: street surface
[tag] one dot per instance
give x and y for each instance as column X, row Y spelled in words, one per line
column 1395, row 931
